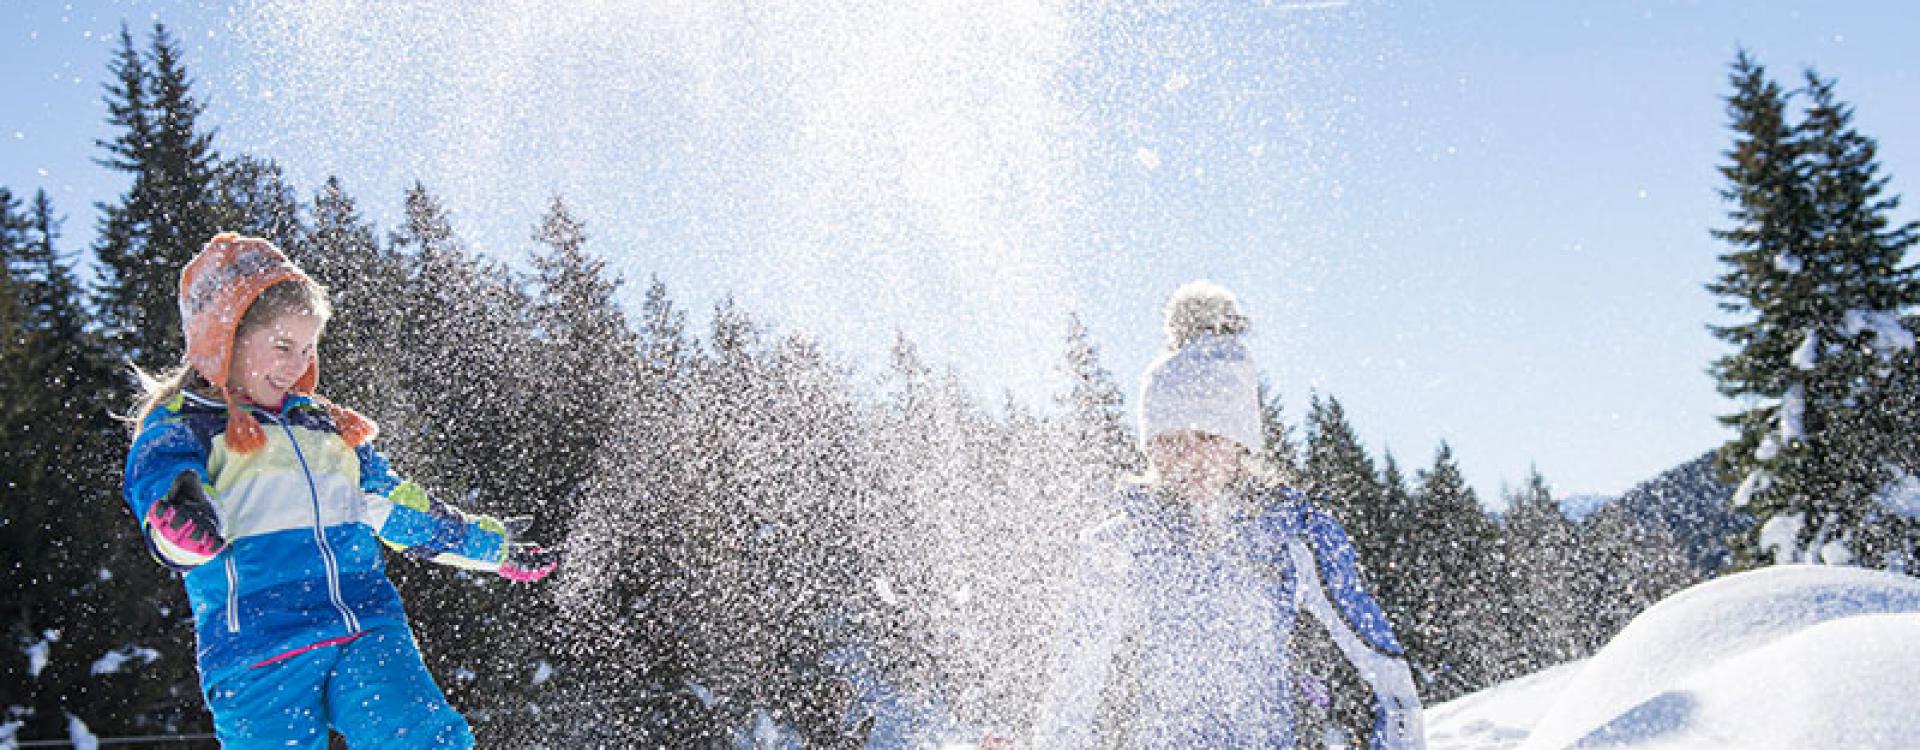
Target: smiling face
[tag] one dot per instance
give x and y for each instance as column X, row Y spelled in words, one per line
column 270, row 357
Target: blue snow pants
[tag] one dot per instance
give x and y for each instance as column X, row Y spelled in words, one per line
column 374, row 690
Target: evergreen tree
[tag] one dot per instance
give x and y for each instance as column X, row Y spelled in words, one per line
column 1095, row 418
column 1277, row 449
column 1548, row 626
column 1819, row 274
column 583, row 334
column 461, row 428
column 1339, row 474
column 1628, row 565
column 71, row 559
column 251, row 196
column 168, row 212
column 363, row 348
column 629, row 581
column 664, row 348
column 1456, row 582
column 1393, row 574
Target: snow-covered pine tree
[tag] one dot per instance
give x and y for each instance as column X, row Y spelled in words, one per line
column 251, row 196
column 166, row 213
column 1455, row 582
column 1881, row 287
column 1627, row 564
column 1338, row 474
column 1391, row 574
column 1095, row 418
column 782, row 492
column 1542, row 572
column 460, row 428
column 1278, row 448
column 1821, row 280
column 583, row 333
column 626, row 673
column 366, row 282
column 1395, row 576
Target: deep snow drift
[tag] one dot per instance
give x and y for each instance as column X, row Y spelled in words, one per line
column 1792, row 656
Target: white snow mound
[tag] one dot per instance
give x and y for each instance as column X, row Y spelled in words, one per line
column 1499, row 717
column 1791, row 656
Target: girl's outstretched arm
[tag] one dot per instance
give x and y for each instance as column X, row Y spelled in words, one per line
column 1328, row 570
column 406, row 519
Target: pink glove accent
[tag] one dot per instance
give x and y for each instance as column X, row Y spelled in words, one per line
column 183, row 524
column 181, row 533
column 527, row 563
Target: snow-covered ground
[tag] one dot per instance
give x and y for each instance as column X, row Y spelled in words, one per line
column 1784, row 657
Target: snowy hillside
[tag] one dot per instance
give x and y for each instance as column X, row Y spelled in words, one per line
column 1785, row 657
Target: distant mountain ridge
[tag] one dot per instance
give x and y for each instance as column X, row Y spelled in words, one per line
column 1693, row 505
column 1578, row 507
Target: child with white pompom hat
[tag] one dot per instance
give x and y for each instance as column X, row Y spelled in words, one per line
column 1186, row 599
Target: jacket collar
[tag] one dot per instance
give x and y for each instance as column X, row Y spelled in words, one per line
column 293, row 401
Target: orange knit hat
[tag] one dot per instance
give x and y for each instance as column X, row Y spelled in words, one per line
column 216, row 288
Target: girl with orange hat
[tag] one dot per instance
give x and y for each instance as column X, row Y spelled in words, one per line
column 274, row 505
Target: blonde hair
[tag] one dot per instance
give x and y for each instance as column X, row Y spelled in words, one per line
column 292, row 297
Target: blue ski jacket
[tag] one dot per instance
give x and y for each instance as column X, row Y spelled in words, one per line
column 1176, row 634
column 304, row 518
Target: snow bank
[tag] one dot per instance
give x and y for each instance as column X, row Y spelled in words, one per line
column 1499, row 717
column 1787, row 656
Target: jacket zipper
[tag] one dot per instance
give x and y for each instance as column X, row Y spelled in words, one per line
column 320, row 536
column 233, row 595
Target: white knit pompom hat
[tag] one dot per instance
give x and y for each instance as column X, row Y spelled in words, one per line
column 1205, row 380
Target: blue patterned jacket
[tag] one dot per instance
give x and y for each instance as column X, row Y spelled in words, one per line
column 1176, row 634
column 304, row 518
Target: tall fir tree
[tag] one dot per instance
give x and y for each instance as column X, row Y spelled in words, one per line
column 1095, row 418
column 1543, row 570
column 461, row 429
column 1392, row 574
column 627, row 664
column 251, row 196
column 70, row 557
column 167, row 213
column 584, row 334
column 1818, row 273
column 1456, row 582
column 1626, row 566
column 1278, row 448
column 1338, row 473
column 366, row 281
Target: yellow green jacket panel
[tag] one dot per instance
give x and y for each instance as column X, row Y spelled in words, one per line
column 304, row 518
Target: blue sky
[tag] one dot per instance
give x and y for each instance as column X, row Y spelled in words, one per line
column 1483, row 223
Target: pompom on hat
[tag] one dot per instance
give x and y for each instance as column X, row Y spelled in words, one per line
column 216, row 288
column 1206, row 380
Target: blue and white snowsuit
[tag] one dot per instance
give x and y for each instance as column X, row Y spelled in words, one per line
column 1176, row 634
column 298, row 627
